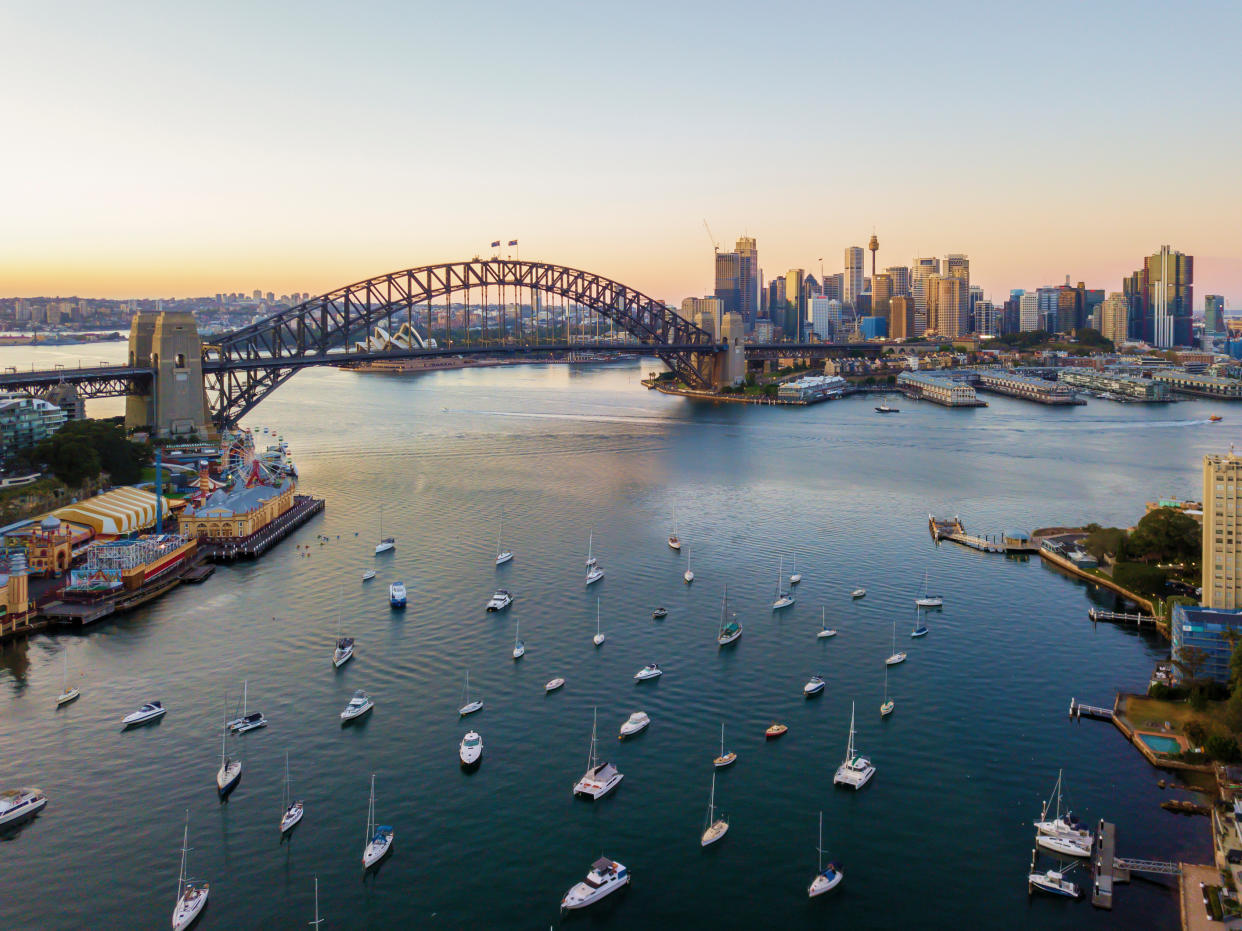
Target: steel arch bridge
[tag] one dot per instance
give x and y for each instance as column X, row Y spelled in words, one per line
column 242, row 367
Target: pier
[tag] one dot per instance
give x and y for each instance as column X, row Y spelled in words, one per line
column 1077, row 710
column 1119, row 617
column 954, row 531
column 228, row 549
column 1107, row 868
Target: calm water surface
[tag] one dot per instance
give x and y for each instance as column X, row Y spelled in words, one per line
column 939, row 839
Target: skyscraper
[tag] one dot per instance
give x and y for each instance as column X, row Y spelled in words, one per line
column 748, row 279
column 957, row 265
column 853, row 274
column 729, row 281
column 952, row 307
column 1214, row 313
column 901, row 279
column 987, row 320
column 881, row 294
column 931, row 297
column 795, row 302
column 1049, row 301
column 1161, row 299
column 901, row 317
column 1222, row 532
column 919, row 271
column 1114, row 318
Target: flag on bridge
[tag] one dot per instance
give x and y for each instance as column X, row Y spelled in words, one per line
column 496, row 244
column 513, row 242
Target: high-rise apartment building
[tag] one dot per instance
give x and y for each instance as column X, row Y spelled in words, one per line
column 881, row 294
column 833, row 286
column 1028, row 312
column 776, row 300
column 748, row 279
column 901, row 317
column 1222, row 532
column 957, row 265
column 729, row 281
column 1049, row 308
column 919, row 270
column 986, row 318
column 1161, row 296
column 1214, row 313
column 1114, row 318
column 931, row 297
column 853, row 274
column 952, row 307
column 900, row 276
column 795, row 302
column 825, row 316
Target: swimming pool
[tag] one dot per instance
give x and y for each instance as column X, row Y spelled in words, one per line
column 1161, row 744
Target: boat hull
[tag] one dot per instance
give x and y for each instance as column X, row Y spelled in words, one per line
column 1065, row 846
column 227, row 778
column 554, row 685
column 824, row 883
column 727, row 760
column 291, row 817
column 376, row 851
column 783, row 602
column 189, row 907
column 137, row 719
column 714, row 833
column 503, row 558
column 895, row 659
column 66, row 697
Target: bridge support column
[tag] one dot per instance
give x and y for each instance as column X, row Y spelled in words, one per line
column 177, row 405
column 729, row 367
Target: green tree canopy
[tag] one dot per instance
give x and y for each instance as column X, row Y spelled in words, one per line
column 82, row 448
column 1165, row 535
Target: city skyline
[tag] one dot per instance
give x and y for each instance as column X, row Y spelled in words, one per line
column 251, row 161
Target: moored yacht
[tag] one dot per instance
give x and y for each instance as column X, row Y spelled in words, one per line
column 650, row 671
column 725, row 759
column 824, row 630
column 659, row 613
column 359, row 705
column 674, row 542
column 856, row 771
column 470, row 750
column 148, row 712
column 368, row 575
column 379, row 836
column 247, row 720
column 928, row 601
column 230, row 770
column 1051, row 881
column 636, row 722
column 895, row 657
column 554, row 684
column 519, row 648
column 1062, row 834
column 502, row 555
column 858, row 593
column 19, row 804
column 599, row 778
column 825, row 879
column 729, row 629
column 500, row 600
column 396, row 594
column 191, row 894
column 470, row 707
column 605, row 878
column 293, row 808
column 783, row 598
column 814, row 686
column 600, row 636
column 688, row 575
column 344, row 651
column 715, row 828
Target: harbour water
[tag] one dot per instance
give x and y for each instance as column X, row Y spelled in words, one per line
column 941, row 838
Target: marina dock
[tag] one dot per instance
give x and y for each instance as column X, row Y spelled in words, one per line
column 953, row 530
column 1103, row 872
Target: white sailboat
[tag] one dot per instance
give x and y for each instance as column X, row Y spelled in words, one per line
column 599, row 778
column 470, row 707
column 191, row 894
column 293, row 808
column 783, row 598
column 1062, row 834
column 67, row 694
column 730, row 629
column 230, row 770
column 856, row 771
column 379, row 836
column 590, row 560
column 519, row 648
column 594, row 572
column 502, row 555
column 247, row 721
column 725, row 759
column 688, row 575
column 887, row 707
column 599, row 637
column 895, row 657
column 796, row 577
column 674, row 542
column 928, row 601
column 714, row 828
column 385, row 543
column 825, row 879
column 824, row 630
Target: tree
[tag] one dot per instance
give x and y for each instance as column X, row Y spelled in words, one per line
column 1190, row 662
column 80, row 449
column 1104, row 541
column 1167, row 534
column 1223, row 749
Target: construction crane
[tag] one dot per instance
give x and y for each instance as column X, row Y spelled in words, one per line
column 715, row 245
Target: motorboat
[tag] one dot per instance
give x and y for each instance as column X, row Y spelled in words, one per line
column 715, row 828
column 1052, row 881
column 688, row 575
column 470, row 707
column 380, row 836
column 500, row 600
column 783, row 598
column 148, row 712
column 605, row 878
column 368, row 575
column 725, row 759
column 471, row 749
column 824, row 630
column 293, row 808
column 825, row 877
column 650, row 671
column 1215, row 418
column 858, row 593
column 775, row 730
column 191, row 894
column 19, row 804
column 857, row 770
column 250, row 722
column 519, row 648
column 600, row 636
column 599, row 778
column 554, row 684
column 659, row 613
column 636, row 722
column 729, row 629
column 396, row 594
column 359, row 705
column 344, row 651
column 883, row 408
column 814, row 686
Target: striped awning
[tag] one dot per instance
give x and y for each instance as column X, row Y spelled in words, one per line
column 116, row 512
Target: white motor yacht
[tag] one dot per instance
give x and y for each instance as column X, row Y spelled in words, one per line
column 359, row 705
column 858, row 593
column 396, row 594
column 599, row 778
column 19, row 804
column 368, row 575
column 636, row 722
column 825, row 878
column 814, row 686
column 606, row 877
column 344, row 651
column 856, row 771
column 500, row 600
column 148, row 712
column 1054, row 882
column 471, row 749
column 650, row 671
column 554, row 684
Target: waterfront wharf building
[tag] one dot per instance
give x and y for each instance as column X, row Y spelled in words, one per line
column 1028, row 387
column 1222, row 532
column 1118, row 384
column 236, row 512
column 939, row 388
column 1197, row 383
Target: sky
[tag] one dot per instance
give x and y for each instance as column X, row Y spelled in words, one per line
column 160, row 149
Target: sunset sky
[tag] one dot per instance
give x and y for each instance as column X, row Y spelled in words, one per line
column 175, row 149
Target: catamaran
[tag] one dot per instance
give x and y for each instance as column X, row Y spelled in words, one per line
column 825, row 879
column 688, row 575
column 519, row 648
column 856, row 771
column 1062, row 834
column 714, row 828
column 725, row 759
column 599, row 778
column 293, row 808
column 605, row 878
column 783, row 598
column 191, row 894
column 600, row 636
column 470, row 707
column 824, row 629
column 66, row 694
column 896, row 657
column 594, row 572
column 385, row 543
column 502, row 555
column 928, row 601
column 379, row 836
column 674, row 542
column 730, row 629
column 247, row 720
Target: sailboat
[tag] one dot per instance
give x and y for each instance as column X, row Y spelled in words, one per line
column 379, row 836
column 887, row 708
column 230, row 770
column 1062, row 834
column 191, row 894
column 66, row 694
column 594, row 572
column 783, row 598
column 920, row 629
column 470, row 707
column 502, row 556
column 688, row 575
column 519, row 648
column 856, row 771
column 293, row 809
column 385, row 543
column 674, row 542
column 797, row 576
column 318, row 921
column 896, row 657
column 599, row 637
column 715, row 828
column 599, row 778
column 825, row 879
column 824, row 629
column 725, row 759
column 928, row 601
column 729, row 630
column 247, row 721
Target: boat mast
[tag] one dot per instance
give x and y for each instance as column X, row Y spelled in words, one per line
column 591, row 755
column 711, row 804
column 224, row 732
column 819, row 847
column 780, row 577
column 597, row 615
column 245, row 696
column 371, row 810
column 318, row 921
column 500, row 530
column 849, row 749
column 722, row 738
column 285, row 794
column 185, row 846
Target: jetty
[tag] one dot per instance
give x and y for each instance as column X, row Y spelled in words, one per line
column 1107, row 868
column 1077, row 710
column 1120, row 617
column 953, row 530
